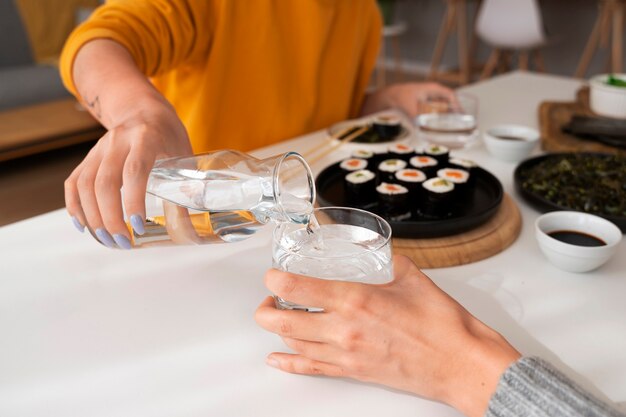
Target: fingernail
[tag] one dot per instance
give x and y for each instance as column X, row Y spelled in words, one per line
column 136, row 221
column 122, row 241
column 105, row 238
column 272, row 362
column 77, row 224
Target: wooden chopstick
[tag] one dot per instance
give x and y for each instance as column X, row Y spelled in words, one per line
column 343, row 141
column 337, row 136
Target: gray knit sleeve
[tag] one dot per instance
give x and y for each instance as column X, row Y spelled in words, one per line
column 531, row 387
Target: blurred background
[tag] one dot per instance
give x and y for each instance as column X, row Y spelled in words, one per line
column 44, row 132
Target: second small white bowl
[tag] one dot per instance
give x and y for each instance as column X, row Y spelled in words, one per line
column 607, row 100
column 511, row 142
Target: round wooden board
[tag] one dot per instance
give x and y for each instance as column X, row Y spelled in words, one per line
column 482, row 242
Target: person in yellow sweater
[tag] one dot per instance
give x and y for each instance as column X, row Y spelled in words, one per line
column 172, row 77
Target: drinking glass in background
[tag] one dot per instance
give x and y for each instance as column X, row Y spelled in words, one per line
column 348, row 245
column 448, row 122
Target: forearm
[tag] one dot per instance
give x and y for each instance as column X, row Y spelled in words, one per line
column 532, row 387
column 110, row 84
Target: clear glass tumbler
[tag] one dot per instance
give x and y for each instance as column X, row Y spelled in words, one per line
column 449, row 122
column 349, row 245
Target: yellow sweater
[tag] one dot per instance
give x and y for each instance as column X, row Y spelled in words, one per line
column 245, row 73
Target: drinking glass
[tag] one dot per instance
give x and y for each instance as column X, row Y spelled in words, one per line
column 344, row 244
column 451, row 122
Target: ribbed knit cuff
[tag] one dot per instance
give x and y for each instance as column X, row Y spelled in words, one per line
column 531, row 387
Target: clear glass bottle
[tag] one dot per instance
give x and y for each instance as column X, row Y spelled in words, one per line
column 223, row 196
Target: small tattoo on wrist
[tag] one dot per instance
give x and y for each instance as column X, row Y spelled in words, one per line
column 95, row 106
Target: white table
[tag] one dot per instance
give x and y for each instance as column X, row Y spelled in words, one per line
column 88, row 331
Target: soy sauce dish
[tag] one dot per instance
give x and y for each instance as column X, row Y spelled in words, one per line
column 575, row 241
column 511, row 142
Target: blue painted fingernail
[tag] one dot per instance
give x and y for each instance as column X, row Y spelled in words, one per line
column 77, row 224
column 137, row 222
column 105, row 238
column 122, row 241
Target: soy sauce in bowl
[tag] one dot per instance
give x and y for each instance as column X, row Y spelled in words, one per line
column 577, row 238
column 511, row 137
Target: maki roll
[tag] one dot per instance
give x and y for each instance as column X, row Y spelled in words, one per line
column 360, row 187
column 460, row 163
column 353, row 164
column 371, row 157
column 439, row 198
column 387, row 127
column 439, row 152
column 467, row 165
column 394, row 201
column 459, row 177
column 387, row 169
column 428, row 165
column 401, row 151
column 363, row 154
column 412, row 179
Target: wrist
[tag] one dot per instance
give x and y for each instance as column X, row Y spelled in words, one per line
column 377, row 101
column 487, row 356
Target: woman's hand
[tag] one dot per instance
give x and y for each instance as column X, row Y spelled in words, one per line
column 407, row 334
column 123, row 157
column 405, row 97
column 142, row 127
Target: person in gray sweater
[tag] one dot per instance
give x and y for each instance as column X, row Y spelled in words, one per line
column 412, row 336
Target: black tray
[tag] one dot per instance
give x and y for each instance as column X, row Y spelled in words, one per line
column 543, row 205
column 487, row 196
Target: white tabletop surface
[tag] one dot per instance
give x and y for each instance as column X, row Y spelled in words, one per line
column 88, row 331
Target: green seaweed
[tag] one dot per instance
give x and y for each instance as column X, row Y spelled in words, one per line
column 591, row 183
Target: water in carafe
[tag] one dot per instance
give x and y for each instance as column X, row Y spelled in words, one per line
column 224, row 196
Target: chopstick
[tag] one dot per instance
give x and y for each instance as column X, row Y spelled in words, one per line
column 336, row 146
column 318, row 147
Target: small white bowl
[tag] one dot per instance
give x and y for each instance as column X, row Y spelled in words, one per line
column 510, row 149
column 574, row 258
column 607, row 100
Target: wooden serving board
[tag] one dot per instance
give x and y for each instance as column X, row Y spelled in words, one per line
column 490, row 238
column 553, row 115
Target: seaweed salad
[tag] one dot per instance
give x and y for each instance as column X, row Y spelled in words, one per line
column 592, row 183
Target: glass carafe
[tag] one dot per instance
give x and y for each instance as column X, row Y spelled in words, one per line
column 223, row 196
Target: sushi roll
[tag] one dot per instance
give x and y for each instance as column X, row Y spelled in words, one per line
column 363, row 154
column 387, row 169
column 459, row 177
column 353, row 164
column 460, row 163
column 428, row 165
column 465, row 164
column 393, row 201
column 439, row 152
column 360, row 187
column 412, row 179
column 387, row 127
column 372, row 158
column 401, row 151
column 439, row 198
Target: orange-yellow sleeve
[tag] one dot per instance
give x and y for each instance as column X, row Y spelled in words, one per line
column 159, row 34
column 368, row 60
